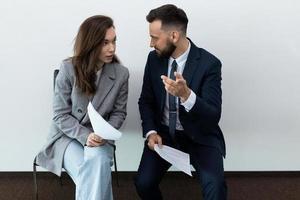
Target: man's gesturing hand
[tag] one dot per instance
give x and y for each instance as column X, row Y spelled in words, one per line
column 177, row 87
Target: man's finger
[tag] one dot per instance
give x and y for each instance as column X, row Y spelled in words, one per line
column 151, row 147
column 151, row 144
column 178, row 76
column 170, row 86
column 159, row 142
column 163, row 77
column 167, row 80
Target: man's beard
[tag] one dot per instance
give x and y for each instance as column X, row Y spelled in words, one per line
column 167, row 51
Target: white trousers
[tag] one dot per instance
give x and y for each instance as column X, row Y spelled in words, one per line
column 90, row 169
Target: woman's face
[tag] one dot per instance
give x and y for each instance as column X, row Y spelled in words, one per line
column 109, row 46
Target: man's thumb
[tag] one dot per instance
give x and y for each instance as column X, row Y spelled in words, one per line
column 178, row 75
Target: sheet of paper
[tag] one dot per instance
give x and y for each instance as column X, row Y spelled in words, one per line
column 177, row 158
column 102, row 127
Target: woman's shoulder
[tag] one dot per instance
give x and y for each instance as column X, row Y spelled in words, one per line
column 67, row 67
column 120, row 69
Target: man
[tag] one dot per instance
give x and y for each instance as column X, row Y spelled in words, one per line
column 180, row 106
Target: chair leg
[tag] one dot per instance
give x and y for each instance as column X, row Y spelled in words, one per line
column 116, row 169
column 35, row 186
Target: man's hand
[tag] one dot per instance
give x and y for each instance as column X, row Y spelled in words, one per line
column 177, row 87
column 94, row 140
column 153, row 139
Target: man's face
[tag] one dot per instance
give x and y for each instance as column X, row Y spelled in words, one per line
column 161, row 40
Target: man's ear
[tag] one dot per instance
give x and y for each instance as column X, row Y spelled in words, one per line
column 175, row 36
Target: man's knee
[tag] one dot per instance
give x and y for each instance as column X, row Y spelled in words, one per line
column 213, row 180
column 144, row 184
column 214, row 186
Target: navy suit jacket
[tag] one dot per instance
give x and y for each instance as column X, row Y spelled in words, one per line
column 202, row 73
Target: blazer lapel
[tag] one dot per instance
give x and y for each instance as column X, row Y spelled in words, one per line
column 163, row 70
column 104, row 85
column 106, row 82
column 190, row 65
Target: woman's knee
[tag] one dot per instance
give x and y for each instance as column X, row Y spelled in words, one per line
column 101, row 155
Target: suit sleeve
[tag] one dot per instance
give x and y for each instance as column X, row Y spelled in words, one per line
column 118, row 114
column 207, row 107
column 147, row 102
column 62, row 108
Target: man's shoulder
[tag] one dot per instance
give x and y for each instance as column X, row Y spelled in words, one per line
column 154, row 59
column 208, row 54
column 203, row 53
column 152, row 55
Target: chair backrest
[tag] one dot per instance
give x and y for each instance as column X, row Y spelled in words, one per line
column 54, row 77
column 35, row 186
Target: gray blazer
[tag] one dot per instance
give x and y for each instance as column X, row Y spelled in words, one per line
column 70, row 119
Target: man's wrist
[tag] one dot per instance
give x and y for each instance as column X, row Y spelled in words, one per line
column 186, row 95
column 150, row 133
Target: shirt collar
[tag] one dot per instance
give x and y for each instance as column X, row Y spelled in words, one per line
column 183, row 57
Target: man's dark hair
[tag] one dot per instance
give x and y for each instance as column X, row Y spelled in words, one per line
column 170, row 15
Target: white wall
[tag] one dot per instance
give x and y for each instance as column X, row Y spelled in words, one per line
column 257, row 41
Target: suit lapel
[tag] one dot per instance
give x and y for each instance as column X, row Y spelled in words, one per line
column 190, row 65
column 163, row 70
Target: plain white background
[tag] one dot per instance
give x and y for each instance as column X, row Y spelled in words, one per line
column 258, row 43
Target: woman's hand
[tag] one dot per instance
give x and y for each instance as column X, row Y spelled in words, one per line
column 94, row 140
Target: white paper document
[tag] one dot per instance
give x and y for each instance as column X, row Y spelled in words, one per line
column 177, row 158
column 102, row 127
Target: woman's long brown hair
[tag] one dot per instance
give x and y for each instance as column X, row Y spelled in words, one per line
column 87, row 48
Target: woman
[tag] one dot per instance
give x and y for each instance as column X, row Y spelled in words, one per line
column 92, row 74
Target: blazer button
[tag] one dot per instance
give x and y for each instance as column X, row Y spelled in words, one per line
column 79, row 110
